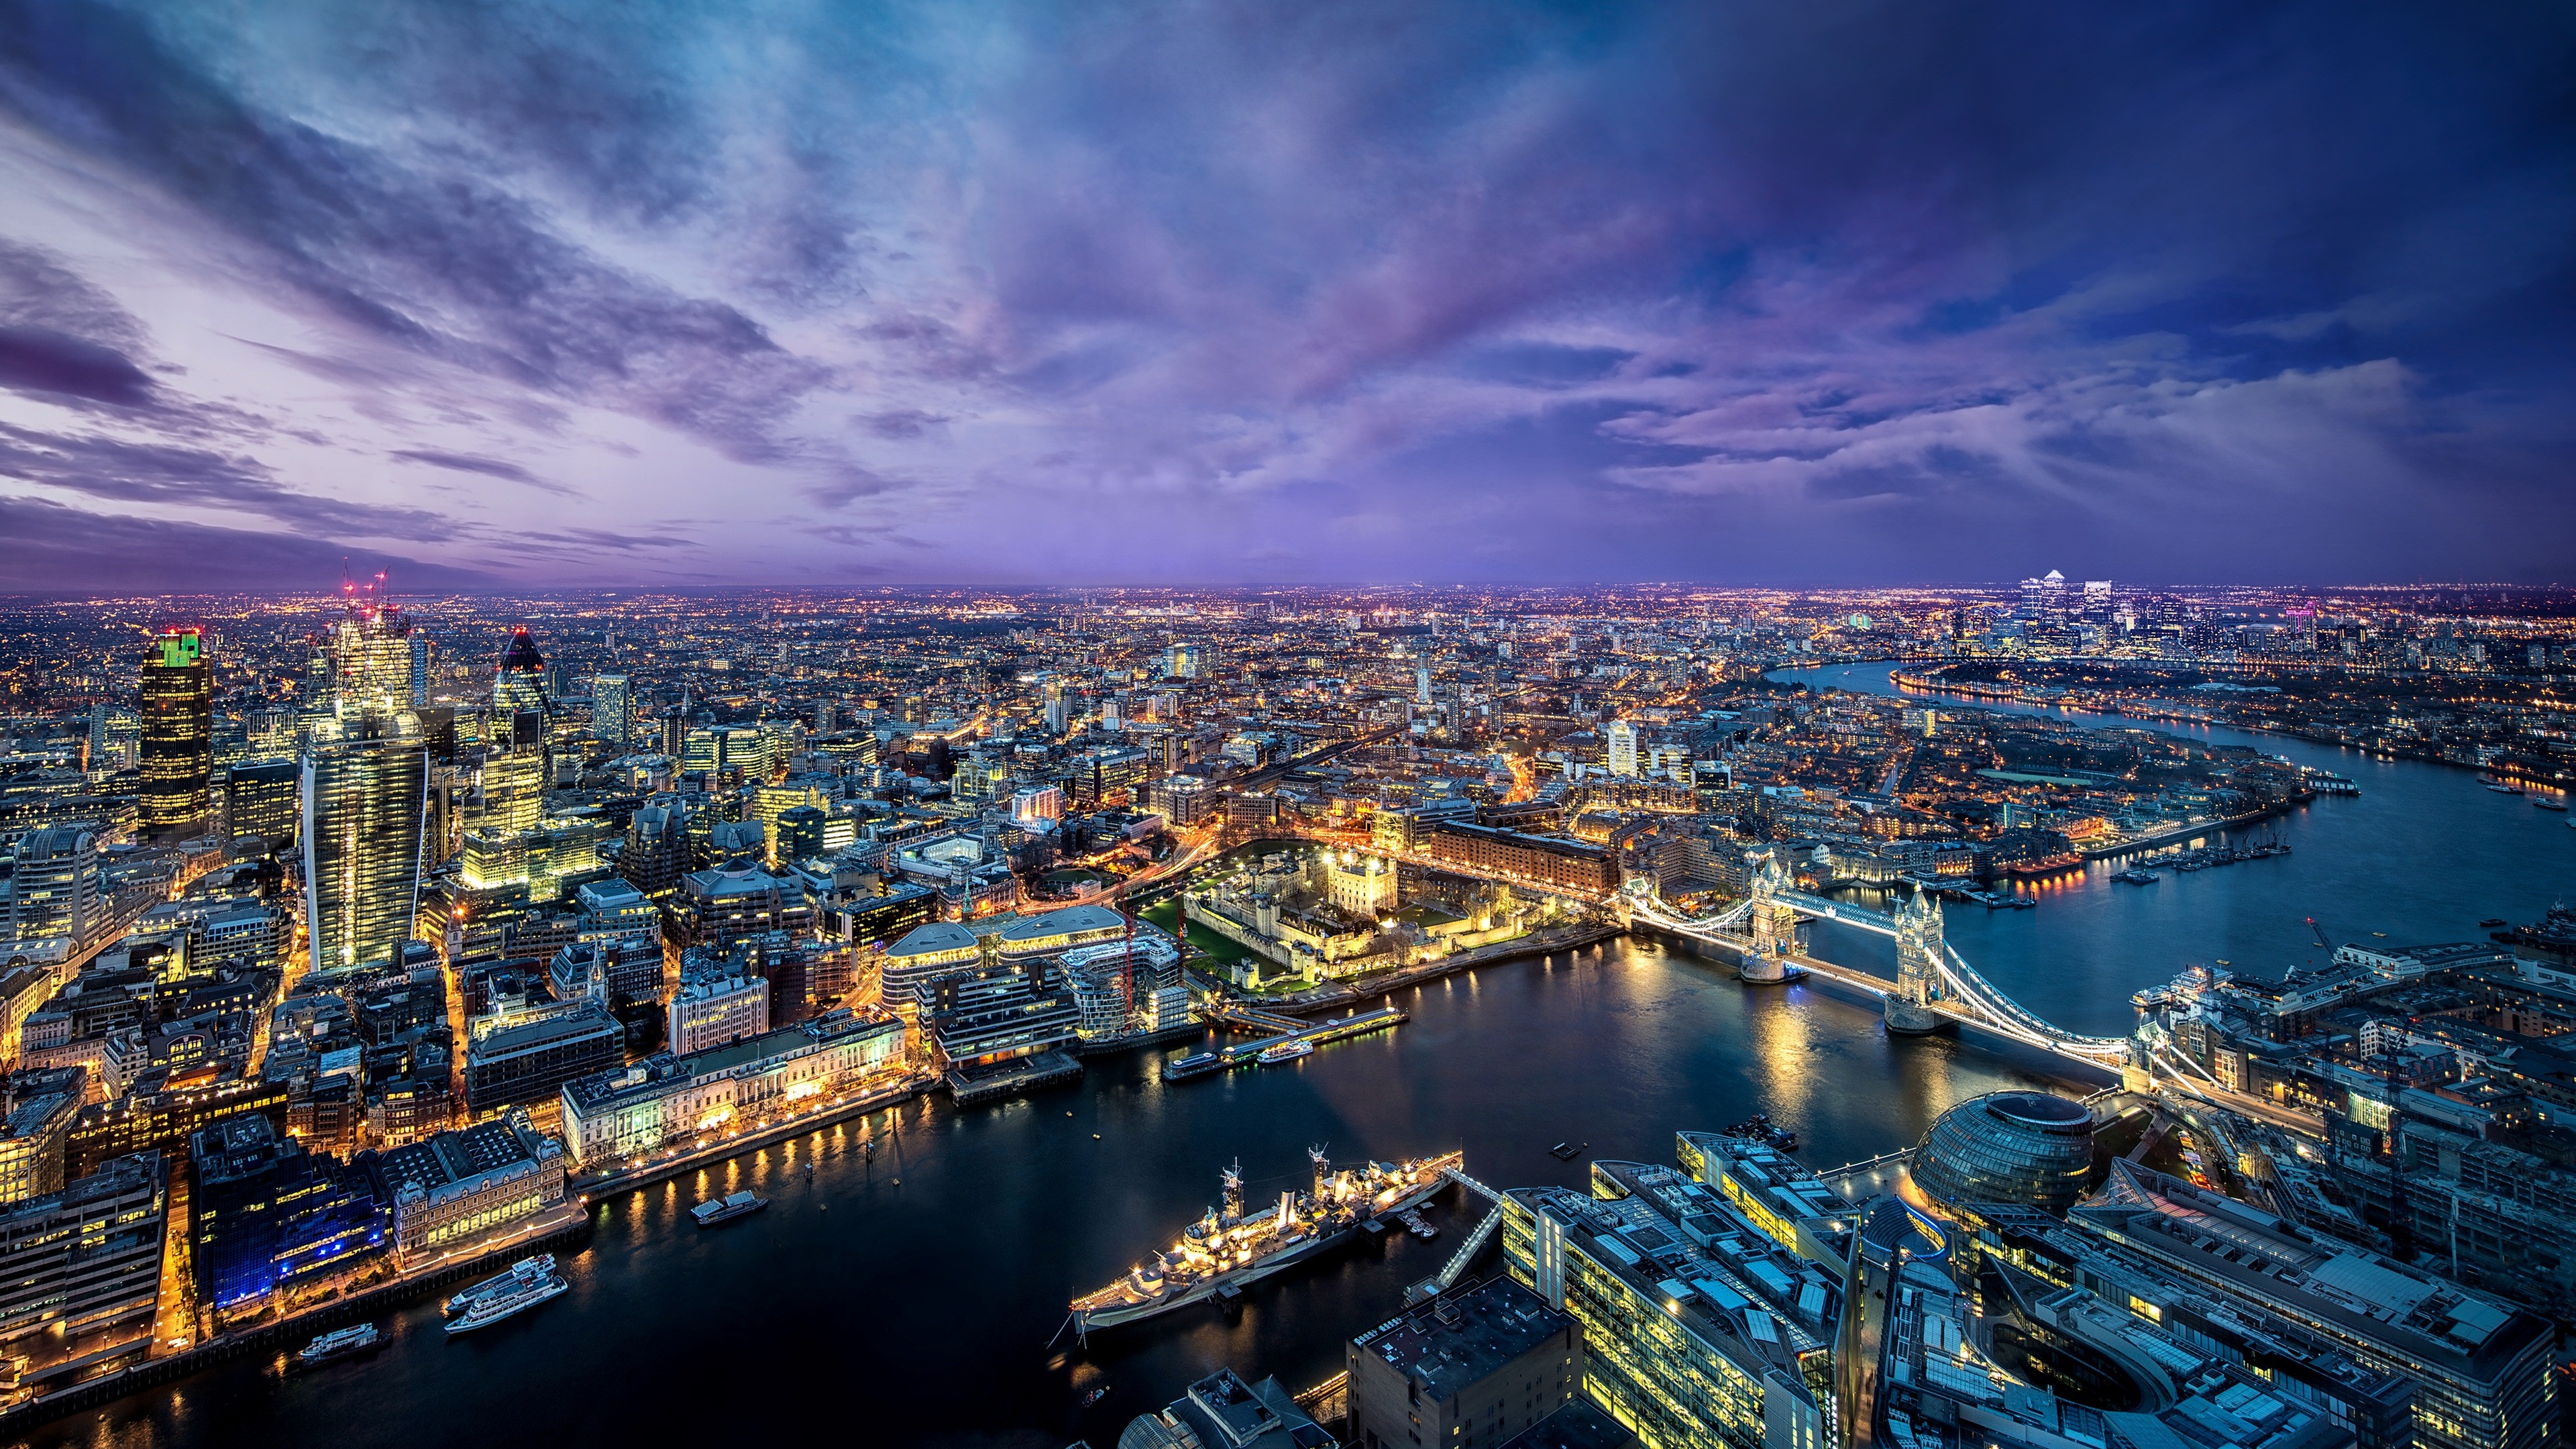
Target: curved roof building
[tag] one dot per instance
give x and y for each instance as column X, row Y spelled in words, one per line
column 2030, row 1149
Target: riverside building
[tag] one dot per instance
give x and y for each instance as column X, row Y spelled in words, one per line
column 1774, row 1192
column 457, row 1186
column 1697, row 1331
column 80, row 1267
column 2482, row 1367
column 628, row 1112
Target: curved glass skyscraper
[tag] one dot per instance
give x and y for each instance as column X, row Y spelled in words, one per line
column 364, row 798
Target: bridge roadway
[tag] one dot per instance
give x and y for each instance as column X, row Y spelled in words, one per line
column 1967, row 998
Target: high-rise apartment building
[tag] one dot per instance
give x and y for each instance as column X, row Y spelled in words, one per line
column 113, row 733
column 365, row 796
column 1619, row 739
column 178, row 736
column 612, row 708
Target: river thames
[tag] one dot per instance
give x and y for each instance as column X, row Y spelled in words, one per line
column 911, row 1299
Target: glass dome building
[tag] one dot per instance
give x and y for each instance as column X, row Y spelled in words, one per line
column 2025, row 1148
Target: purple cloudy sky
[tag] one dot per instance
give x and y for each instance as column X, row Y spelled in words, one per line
column 608, row 291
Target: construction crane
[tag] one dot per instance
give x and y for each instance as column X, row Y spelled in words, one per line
column 2322, row 943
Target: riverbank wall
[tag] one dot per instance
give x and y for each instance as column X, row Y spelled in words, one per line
column 1318, row 999
column 278, row 1334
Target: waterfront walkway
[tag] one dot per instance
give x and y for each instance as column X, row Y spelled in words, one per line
column 1318, row 999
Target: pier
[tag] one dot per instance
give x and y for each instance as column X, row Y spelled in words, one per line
column 1280, row 1030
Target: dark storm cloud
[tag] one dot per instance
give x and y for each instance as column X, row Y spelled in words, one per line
column 33, row 359
column 439, row 262
column 57, row 549
column 109, row 469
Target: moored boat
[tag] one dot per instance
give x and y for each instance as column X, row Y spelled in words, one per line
column 527, row 1270
column 726, row 1209
column 340, row 1343
column 1230, row 1247
column 522, row 1295
column 1286, row 1051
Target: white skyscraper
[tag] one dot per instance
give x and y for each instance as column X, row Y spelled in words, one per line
column 1621, row 737
column 612, row 708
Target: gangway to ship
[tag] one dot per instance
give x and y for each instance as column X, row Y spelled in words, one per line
column 1456, row 1268
column 1460, row 1177
column 1477, row 1237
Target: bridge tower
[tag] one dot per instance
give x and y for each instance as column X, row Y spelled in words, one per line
column 1918, row 967
column 1774, row 924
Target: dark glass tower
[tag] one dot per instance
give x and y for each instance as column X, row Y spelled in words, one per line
column 519, row 680
column 178, row 736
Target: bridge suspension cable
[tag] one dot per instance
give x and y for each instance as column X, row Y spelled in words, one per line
column 1970, row 995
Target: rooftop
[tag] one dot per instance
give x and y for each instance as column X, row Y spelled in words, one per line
column 1463, row 1336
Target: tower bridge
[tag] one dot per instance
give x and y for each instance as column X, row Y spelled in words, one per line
column 1934, row 983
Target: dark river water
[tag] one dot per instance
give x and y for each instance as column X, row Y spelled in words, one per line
column 2422, row 854
column 911, row 1300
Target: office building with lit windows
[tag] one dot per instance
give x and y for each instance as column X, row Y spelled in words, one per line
column 59, row 889
column 2482, row 1368
column 177, row 741
column 515, row 1061
column 264, row 799
column 80, row 1267
column 612, row 708
column 1697, row 1330
column 519, row 678
column 365, row 797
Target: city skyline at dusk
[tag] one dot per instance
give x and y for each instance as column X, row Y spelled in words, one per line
column 581, row 296
column 994, row 724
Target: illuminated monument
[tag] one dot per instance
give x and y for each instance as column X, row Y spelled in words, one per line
column 1918, row 967
column 1774, row 924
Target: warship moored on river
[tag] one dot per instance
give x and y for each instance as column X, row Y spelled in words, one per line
column 1230, row 1248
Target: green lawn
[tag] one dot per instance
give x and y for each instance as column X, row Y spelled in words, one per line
column 1219, row 949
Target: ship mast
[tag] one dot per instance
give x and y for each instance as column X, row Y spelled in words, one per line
column 1234, row 1192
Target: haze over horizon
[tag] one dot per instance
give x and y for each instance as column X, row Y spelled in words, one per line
column 573, row 294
